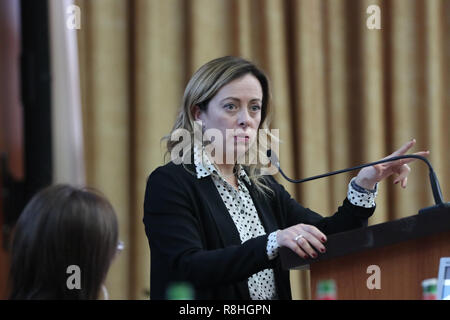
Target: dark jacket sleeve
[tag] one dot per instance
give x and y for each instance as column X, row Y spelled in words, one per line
column 347, row 217
column 175, row 232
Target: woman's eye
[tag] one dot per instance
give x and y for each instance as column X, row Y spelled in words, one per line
column 255, row 108
column 229, row 106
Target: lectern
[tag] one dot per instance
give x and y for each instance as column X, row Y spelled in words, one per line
column 406, row 251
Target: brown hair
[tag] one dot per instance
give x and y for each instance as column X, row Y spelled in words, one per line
column 62, row 226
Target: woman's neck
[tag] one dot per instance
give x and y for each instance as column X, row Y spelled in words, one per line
column 226, row 170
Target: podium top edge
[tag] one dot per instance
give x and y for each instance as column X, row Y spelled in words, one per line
column 374, row 236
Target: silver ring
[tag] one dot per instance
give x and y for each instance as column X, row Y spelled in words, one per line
column 298, row 237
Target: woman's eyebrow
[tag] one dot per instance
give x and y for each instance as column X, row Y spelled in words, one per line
column 237, row 99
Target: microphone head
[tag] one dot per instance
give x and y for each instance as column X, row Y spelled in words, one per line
column 273, row 158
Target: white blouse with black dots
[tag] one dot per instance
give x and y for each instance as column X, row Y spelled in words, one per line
column 243, row 212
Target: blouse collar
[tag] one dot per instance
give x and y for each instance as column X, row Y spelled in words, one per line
column 204, row 166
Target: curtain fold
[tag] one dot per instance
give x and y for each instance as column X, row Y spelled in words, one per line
column 159, row 77
column 342, row 95
column 373, row 116
column 67, row 131
column 104, row 54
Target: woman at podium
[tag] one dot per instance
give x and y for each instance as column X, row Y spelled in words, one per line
column 213, row 218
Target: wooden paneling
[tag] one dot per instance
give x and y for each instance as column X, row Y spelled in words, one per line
column 403, row 266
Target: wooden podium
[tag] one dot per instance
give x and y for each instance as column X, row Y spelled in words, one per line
column 406, row 250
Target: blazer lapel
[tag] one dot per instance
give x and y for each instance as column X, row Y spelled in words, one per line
column 225, row 226
column 263, row 208
column 224, row 223
column 226, row 229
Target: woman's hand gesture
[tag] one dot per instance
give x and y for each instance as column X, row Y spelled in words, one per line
column 369, row 176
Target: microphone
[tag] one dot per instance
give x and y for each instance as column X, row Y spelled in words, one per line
column 435, row 187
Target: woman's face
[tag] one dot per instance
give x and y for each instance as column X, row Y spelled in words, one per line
column 237, row 106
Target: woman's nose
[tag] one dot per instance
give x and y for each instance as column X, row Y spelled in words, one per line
column 243, row 118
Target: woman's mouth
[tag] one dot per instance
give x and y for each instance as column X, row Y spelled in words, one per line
column 241, row 138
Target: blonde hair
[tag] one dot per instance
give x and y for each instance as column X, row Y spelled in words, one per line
column 204, row 85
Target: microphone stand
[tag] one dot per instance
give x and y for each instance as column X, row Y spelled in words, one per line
column 435, row 187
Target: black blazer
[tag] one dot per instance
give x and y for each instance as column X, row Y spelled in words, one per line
column 193, row 238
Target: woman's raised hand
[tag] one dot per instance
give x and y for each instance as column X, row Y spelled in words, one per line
column 369, row 176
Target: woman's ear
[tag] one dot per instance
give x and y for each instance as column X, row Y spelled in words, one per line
column 196, row 112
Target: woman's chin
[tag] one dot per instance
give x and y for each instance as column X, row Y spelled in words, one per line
column 240, row 153
column 240, row 148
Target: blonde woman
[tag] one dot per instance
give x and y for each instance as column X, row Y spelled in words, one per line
column 213, row 216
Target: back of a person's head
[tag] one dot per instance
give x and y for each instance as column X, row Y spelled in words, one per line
column 62, row 226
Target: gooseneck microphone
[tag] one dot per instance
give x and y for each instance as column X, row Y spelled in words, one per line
column 437, row 194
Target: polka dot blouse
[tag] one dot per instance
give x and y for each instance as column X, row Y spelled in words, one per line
column 243, row 212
